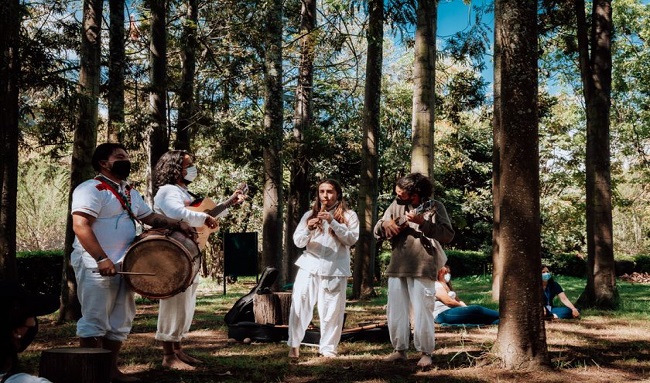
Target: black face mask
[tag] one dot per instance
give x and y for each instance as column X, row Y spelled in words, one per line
column 121, row 169
column 28, row 338
column 403, row 202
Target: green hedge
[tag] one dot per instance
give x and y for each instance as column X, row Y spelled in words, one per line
column 464, row 263
column 568, row 264
column 461, row 262
column 40, row 271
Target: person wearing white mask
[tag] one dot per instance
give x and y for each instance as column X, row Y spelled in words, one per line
column 174, row 171
column 450, row 310
column 551, row 290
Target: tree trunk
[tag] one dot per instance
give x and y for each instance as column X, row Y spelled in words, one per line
column 497, row 263
column 116, row 67
column 298, row 200
column 75, row 365
column 273, row 106
column 186, row 91
column 424, row 88
column 10, row 17
column 366, row 249
column 521, row 339
column 157, row 137
column 600, row 291
column 272, row 308
column 85, row 140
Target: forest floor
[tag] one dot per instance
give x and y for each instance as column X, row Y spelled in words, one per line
column 599, row 347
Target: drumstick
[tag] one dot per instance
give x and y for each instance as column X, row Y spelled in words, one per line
column 131, row 273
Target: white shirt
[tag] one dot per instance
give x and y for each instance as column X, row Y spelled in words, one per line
column 439, row 306
column 326, row 254
column 24, row 378
column 113, row 227
column 172, row 200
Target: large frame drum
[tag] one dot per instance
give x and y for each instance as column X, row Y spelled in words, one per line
column 172, row 256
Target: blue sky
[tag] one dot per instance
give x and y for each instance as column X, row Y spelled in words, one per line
column 455, row 16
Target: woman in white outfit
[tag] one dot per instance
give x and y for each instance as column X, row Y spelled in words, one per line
column 326, row 232
column 174, row 171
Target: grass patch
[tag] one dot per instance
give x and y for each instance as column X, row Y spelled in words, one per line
column 601, row 346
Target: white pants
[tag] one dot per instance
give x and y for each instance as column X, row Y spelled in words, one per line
column 329, row 294
column 416, row 294
column 175, row 314
column 107, row 303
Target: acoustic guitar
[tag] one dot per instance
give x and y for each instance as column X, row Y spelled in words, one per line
column 208, row 206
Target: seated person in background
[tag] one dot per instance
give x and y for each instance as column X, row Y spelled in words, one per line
column 449, row 309
column 18, row 327
column 551, row 290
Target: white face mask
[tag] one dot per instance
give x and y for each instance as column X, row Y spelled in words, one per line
column 192, row 172
column 447, row 277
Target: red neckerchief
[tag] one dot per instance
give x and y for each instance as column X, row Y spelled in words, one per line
column 125, row 200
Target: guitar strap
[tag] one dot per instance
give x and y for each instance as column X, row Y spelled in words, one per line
column 197, row 198
column 125, row 200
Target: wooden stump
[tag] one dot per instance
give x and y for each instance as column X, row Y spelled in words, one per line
column 76, row 365
column 272, row 308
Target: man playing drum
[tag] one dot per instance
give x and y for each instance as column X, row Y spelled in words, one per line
column 174, row 171
column 104, row 214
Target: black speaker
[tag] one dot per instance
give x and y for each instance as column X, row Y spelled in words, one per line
column 240, row 254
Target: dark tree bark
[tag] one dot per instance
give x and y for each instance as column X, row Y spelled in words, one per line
column 366, row 249
column 298, row 199
column 116, row 65
column 273, row 106
column 424, row 87
column 85, row 139
column 186, row 91
column 521, row 339
column 596, row 71
column 157, row 135
column 9, row 75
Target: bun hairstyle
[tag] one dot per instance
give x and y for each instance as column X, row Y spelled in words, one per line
column 443, row 270
column 441, row 275
column 416, row 183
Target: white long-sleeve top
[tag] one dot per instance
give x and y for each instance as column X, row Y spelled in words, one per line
column 327, row 254
column 172, row 200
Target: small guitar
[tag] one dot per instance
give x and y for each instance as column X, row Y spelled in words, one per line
column 421, row 209
column 208, row 206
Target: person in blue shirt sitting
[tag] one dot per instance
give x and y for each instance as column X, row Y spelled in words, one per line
column 553, row 289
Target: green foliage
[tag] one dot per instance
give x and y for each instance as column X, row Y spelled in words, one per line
column 642, row 263
column 42, row 205
column 466, row 263
column 570, row 264
column 462, row 263
column 40, row 271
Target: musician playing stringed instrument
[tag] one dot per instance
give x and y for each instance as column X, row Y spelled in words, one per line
column 415, row 226
column 174, row 172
